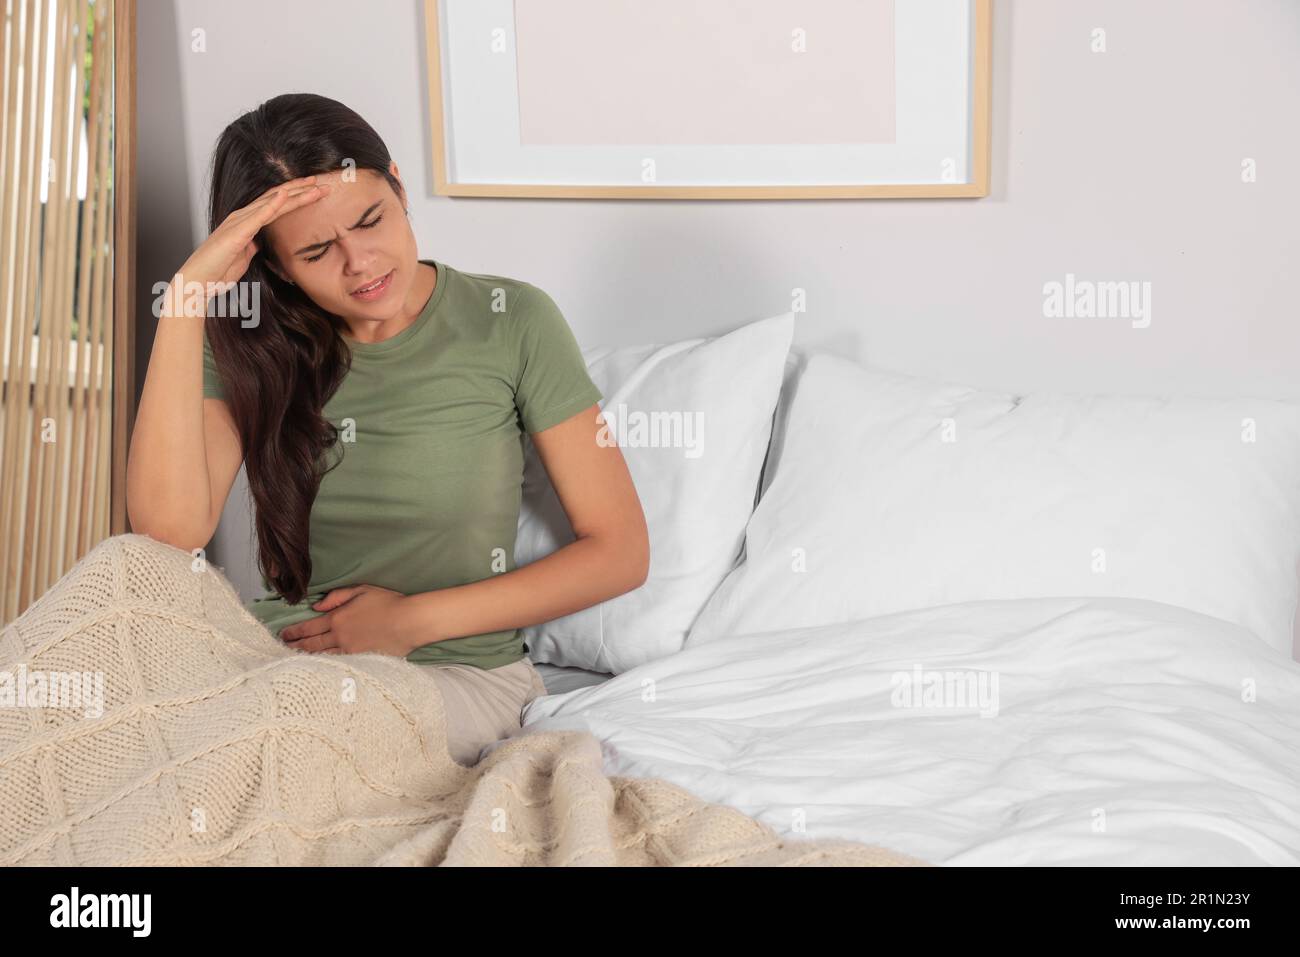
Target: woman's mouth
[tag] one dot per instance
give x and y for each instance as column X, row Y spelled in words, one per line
column 375, row 289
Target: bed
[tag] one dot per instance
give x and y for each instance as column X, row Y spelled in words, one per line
column 559, row 680
column 977, row 627
column 1121, row 732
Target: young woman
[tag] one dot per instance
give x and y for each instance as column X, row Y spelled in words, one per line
column 378, row 402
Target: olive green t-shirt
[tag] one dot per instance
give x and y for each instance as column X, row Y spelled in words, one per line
column 427, row 491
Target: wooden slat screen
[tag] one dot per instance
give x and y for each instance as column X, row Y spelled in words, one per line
column 56, row 287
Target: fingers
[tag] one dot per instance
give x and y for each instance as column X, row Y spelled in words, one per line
column 287, row 200
column 337, row 597
column 280, row 191
column 317, row 643
column 298, row 194
column 281, row 199
column 305, row 629
column 247, row 222
column 302, row 182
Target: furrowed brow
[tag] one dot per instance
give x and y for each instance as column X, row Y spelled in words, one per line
column 360, row 219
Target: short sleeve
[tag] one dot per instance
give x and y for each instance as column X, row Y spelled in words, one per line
column 552, row 383
column 212, row 388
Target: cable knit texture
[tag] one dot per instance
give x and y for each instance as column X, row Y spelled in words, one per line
column 216, row 744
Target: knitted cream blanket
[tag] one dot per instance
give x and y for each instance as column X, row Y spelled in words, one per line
column 146, row 718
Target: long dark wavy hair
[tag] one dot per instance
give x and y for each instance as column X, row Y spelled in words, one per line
column 279, row 373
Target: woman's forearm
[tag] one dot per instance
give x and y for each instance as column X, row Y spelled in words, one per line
column 579, row 575
column 168, row 494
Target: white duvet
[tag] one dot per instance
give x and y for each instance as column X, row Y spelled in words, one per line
column 1095, row 731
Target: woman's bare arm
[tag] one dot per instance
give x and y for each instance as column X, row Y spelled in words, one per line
column 185, row 450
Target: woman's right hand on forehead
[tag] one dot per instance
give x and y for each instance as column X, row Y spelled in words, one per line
column 224, row 256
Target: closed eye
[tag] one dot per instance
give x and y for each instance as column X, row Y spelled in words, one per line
column 370, row 225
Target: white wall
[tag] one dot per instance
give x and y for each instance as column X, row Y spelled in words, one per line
column 1123, row 165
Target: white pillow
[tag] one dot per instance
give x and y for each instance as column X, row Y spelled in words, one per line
column 697, row 494
column 889, row 493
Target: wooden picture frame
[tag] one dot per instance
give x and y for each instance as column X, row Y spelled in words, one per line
column 975, row 164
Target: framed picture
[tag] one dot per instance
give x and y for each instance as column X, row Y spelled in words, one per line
column 710, row 99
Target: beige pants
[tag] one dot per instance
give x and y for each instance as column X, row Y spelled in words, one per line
column 484, row 706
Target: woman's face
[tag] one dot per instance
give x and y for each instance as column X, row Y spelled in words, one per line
column 356, row 233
